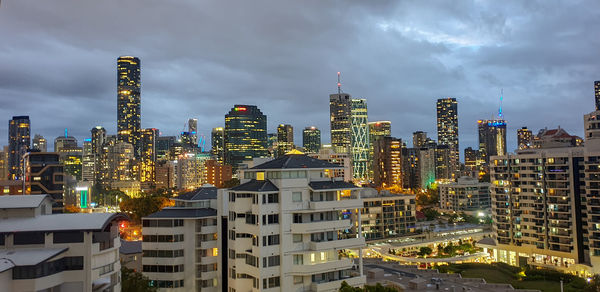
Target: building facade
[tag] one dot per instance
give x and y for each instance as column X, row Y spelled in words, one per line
column 45, row 175
column 148, row 157
column 216, row 173
column 359, row 146
column 39, row 143
column 217, row 141
column 343, row 160
column 387, row 215
column 129, row 108
column 19, row 141
column 387, row 162
column 340, row 111
column 524, row 138
column 285, row 139
column 466, row 195
column 245, row 134
column 492, row 138
column 311, row 139
column 447, row 130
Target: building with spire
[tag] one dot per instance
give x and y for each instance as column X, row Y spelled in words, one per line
column 340, row 111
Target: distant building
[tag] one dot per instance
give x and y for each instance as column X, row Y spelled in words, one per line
column 359, row 142
column 216, row 173
column 165, row 174
column 340, row 111
column 163, row 146
column 217, row 140
column 190, row 170
column 285, row 139
column 130, row 255
column 385, row 215
column 419, row 139
column 443, row 169
column 19, row 141
column 245, row 134
column 341, row 159
column 447, row 129
column 492, row 138
column 311, row 139
column 466, row 195
column 411, row 168
column 524, row 138
column 39, row 143
column 88, row 161
column 4, row 163
column 45, row 175
column 129, row 108
column 556, row 138
column 471, row 159
column 148, row 157
column 597, row 94
column 377, row 130
column 387, row 161
column 57, row 252
column 193, row 130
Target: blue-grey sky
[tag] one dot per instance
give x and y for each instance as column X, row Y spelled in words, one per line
column 58, row 62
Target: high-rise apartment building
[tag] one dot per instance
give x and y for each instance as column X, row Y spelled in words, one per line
column 340, row 110
column 411, row 168
column 163, row 145
column 148, row 157
column 45, row 175
column 287, row 224
column 98, row 139
column 443, row 170
column 19, row 141
column 359, row 146
column 39, row 143
column 466, row 195
column 216, row 173
column 245, row 134
column 447, row 130
column 311, row 139
column 420, row 139
column 88, row 160
column 471, row 159
column 387, row 161
column 377, row 129
column 217, row 142
column 285, row 139
column 386, row 215
column 492, row 138
column 524, row 138
column 129, row 102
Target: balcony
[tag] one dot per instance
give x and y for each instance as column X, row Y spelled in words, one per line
column 335, row 285
column 336, row 205
column 337, row 244
column 336, row 265
column 321, row 226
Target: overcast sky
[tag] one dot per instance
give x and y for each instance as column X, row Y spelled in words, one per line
column 199, row 58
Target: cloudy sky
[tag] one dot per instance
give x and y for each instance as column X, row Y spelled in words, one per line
column 199, row 58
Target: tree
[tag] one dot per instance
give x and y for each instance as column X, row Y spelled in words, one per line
column 144, row 206
column 431, row 213
column 231, row 183
column 132, row 281
column 377, row 288
column 425, row 251
column 72, row 209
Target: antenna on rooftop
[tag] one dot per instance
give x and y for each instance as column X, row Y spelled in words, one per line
column 339, row 84
column 501, row 97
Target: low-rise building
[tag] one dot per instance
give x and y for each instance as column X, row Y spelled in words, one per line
column 130, row 254
column 466, row 195
column 41, row 251
column 386, row 215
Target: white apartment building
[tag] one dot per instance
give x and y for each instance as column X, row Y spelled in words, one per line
column 386, row 215
column 41, row 251
column 341, row 159
column 466, row 195
column 289, row 228
column 180, row 243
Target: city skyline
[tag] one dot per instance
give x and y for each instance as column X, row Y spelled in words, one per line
column 501, row 50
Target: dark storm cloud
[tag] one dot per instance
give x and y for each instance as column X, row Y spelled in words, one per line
column 58, row 61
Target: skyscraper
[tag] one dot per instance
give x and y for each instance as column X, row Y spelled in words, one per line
column 245, row 134
column 39, row 143
column 19, row 141
column 45, row 176
column 360, row 146
column 447, row 127
column 148, row 159
column 597, row 94
column 285, row 139
column 88, row 161
column 193, row 129
column 379, row 129
column 129, row 102
column 217, row 142
column 163, row 144
column 98, row 139
column 387, row 162
column 311, row 139
column 492, row 138
column 419, row 139
column 524, row 138
column 340, row 110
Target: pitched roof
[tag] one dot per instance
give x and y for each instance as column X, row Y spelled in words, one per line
column 130, row 247
column 296, row 161
column 175, row 212
column 203, row 193
column 331, row 185
column 21, row 201
column 60, row 222
column 256, row 186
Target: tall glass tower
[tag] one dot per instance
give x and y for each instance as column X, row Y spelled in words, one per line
column 492, row 138
column 447, row 130
column 245, row 134
column 311, row 140
column 217, row 144
column 360, row 147
column 129, row 102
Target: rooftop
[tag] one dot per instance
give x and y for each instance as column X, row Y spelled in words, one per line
column 206, row 192
column 130, row 247
column 175, row 212
column 257, row 186
column 21, row 201
column 27, row 257
column 296, row 161
column 60, row 222
column 331, row 185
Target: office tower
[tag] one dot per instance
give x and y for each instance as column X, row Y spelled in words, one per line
column 245, row 134
column 18, row 144
column 217, row 174
column 148, row 158
column 471, row 159
column 98, row 139
column 343, row 160
column 70, row 154
column 420, row 139
column 64, row 142
column 163, row 145
column 411, row 168
column 442, row 162
column 217, row 142
column 39, row 143
column 524, row 138
column 387, row 161
column 285, row 244
column 311, row 139
column 359, row 146
column 129, row 102
column 379, row 129
column 45, row 176
column 193, row 129
column 340, row 111
column 398, row 209
column 447, row 127
column 57, row 252
column 466, row 195
column 597, row 94
column 285, row 139
column 180, row 243
column 492, row 138
column 88, row 161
